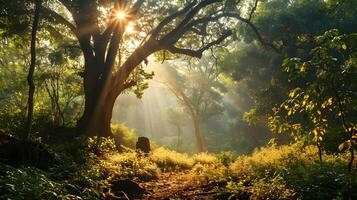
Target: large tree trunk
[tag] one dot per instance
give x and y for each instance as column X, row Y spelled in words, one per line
column 99, row 103
column 97, row 117
column 199, row 138
column 101, row 88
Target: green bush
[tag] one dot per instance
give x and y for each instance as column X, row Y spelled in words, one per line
column 169, row 160
column 226, row 158
column 101, row 145
column 129, row 165
column 124, row 136
column 27, row 183
column 205, row 158
column 294, row 171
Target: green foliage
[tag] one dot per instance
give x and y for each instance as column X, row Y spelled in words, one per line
column 261, row 84
column 129, row 165
column 326, row 101
column 226, row 158
column 169, row 160
column 124, row 136
column 289, row 172
column 204, row 174
column 275, row 172
column 205, row 158
column 27, row 183
column 101, row 145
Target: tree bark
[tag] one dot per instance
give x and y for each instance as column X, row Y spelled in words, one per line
column 199, row 138
column 179, row 133
column 350, row 163
column 99, row 102
column 319, row 150
column 32, row 71
column 98, row 112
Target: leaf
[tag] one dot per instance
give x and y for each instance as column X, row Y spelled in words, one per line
column 290, row 112
column 315, row 132
column 292, row 93
column 342, row 145
column 344, row 46
column 330, row 101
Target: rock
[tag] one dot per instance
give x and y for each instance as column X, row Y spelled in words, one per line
column 129, row 187
column 143, row 144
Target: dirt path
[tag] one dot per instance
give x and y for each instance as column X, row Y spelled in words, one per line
column 176, row 185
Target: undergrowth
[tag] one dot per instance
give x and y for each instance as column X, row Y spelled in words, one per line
column 88, row 166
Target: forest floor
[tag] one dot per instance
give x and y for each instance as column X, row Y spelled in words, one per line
column 177, row 185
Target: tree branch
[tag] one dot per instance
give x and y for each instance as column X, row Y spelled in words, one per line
column 188, row 52
column 136, row 6
column 255, row 30
column 170, row 18
column 198, row 53
column 253, row 10
column 61, row 20
column 129, row 84
column 194, row 11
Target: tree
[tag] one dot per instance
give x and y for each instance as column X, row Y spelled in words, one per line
column 177, row 118
column 329, row 94
column 258, row 70
column 198, row 90
column 58, row 77
column 178, row 27
column 32, row 70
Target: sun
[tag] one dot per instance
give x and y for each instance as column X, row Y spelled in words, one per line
column 120, row 15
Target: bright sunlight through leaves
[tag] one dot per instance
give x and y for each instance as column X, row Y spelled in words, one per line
column 120, row 15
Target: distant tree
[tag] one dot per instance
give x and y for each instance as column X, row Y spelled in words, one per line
column 329, row 92
column 198, row 90
column 58, row 77
column 177, row 118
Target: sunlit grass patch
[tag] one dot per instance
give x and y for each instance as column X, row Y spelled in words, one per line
column 130, row 165
column 205, row 158
column 169, row 160
column 272, row 158
column 205, row 173
column 292, row 171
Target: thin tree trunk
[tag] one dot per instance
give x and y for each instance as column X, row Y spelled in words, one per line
column 199, row 138
column 350, row 164
column 348, row 131
column 179, row 132
column 319, row 150
column 32, row 71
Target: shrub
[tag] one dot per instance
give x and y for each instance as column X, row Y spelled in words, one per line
column 129, row 165
column 204, row 158
column 226, row 158
column 101, row 145
column 27, row 183
column 169, row 160
column 209, row 173
column 271, row 188
column 124, row 136
column 294, row 171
